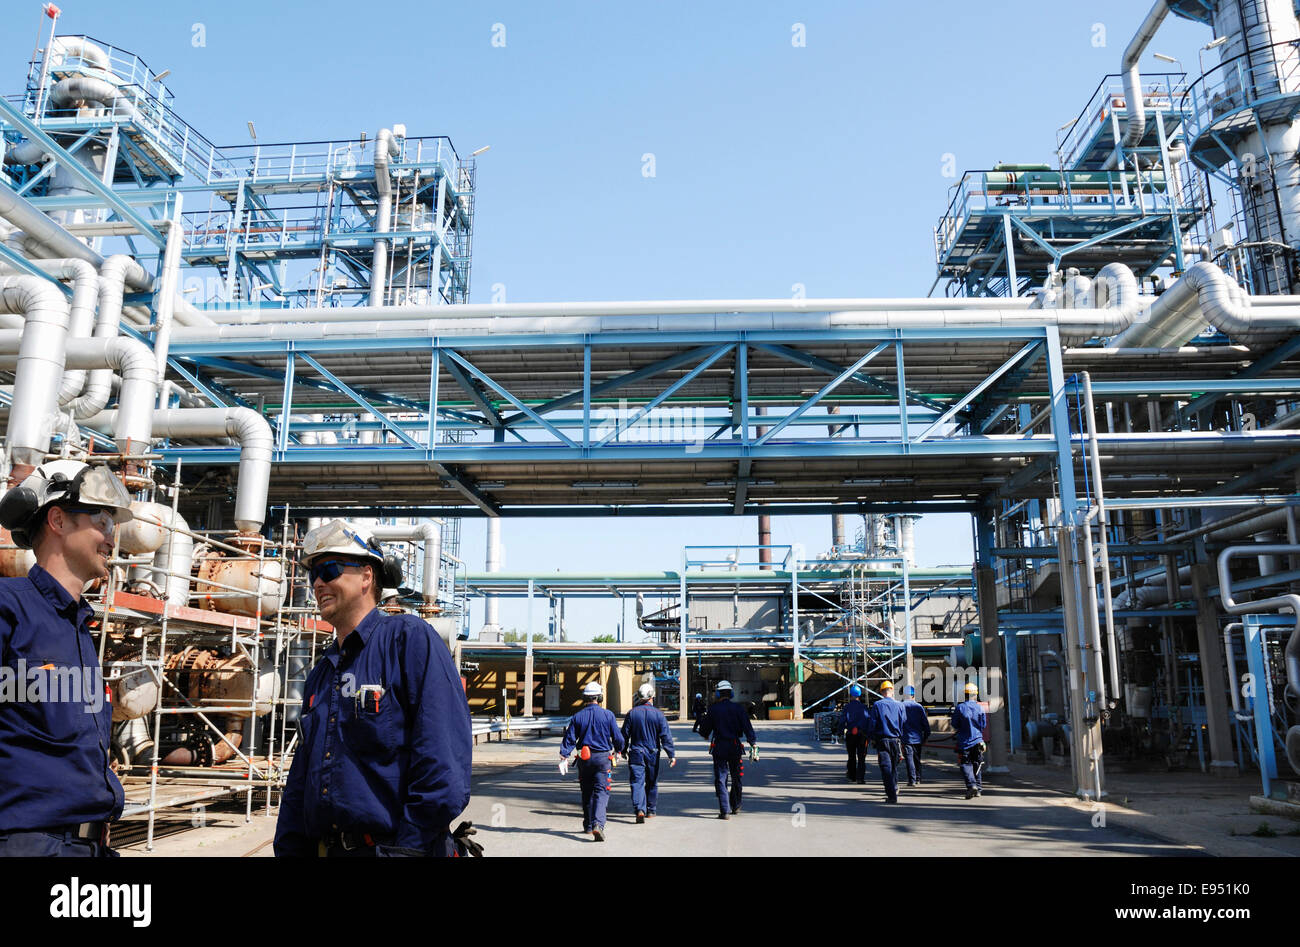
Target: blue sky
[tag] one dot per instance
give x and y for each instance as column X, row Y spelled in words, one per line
column 775, row 164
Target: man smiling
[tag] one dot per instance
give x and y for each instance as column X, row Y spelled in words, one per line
column 57, row 793
column 383, row 759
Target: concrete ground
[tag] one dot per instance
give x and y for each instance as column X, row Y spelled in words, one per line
column 797, row 802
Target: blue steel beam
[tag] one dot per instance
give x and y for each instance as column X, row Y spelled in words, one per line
column 501, row 390
column 703, row 509
column 664, row 395
column 490, row 414
column 823, row 392
column 976, row 391
column 77, row 170
column 830, row 368
column 362, row 402
column 613, row 384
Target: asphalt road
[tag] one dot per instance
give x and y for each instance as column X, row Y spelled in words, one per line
column 797, row 802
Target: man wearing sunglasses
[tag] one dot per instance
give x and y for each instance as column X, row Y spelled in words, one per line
column 57, row 793
column 383, row 759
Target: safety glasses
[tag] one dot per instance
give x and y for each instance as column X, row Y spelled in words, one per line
column 99, row 517
column 327, row 570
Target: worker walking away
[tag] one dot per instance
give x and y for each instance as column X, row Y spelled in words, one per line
column 727, row 724
column 57, row 793
column 855, row 722
column 383, row 761
column 698, row 710
column 886, row 723
column 593, row 732
column 968, row 723
column 645, row 731
column 915, row 733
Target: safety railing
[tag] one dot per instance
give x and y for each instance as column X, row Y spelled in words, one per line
column 1256, row 78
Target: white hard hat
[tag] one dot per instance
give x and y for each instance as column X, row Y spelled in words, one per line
column 591, row 690
column 724, row 685
column 68, row 481
column 342, row 538
column 646, row 691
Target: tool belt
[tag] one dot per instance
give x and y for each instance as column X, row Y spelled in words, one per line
column 351, row 839
column 90, row 831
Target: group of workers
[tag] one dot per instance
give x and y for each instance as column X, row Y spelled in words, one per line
column 594, row 733
column 900, row 729
column 383, row 757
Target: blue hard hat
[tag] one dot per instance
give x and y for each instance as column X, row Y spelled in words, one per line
column 855, row 691
column 909, row 690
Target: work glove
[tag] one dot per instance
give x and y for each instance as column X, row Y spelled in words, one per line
column 672, row 761
column 564, row 766
column 753, row 752
column 464, row 844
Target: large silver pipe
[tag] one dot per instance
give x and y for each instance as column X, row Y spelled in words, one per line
column 1136, row 125
column 40, row 365
column 385, row 148
column 165, row 303
column 1204, row 296
column 116, row 273
column 81, row 315
column 430, row 538
column 244, row 425
column 129, row 357
column 1230, row 659
column 1290, row 601
column 651, row 307
column 491, row 604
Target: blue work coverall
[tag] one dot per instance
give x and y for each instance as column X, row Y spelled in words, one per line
column 887, row 720
column 383, row 760
column 727, row 723
column 55, row 721
column 915, row 733
column 855, row 717
column 597, row 729
column 645, row 729
column 968, row 723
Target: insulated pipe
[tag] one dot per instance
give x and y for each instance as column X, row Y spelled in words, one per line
column 165, row 302
column 385, row 148
column 82, row 48
column 491, row 604
column 1136, row 125
column 248, row 428
column 1230, row 659
column 1291, row 601
column 25, row 153
column 430, row 536
column 174, row 558
column 1204, row 295
column 40, row 365
column 81, row 315
column 28, row 218
column 68, row 93
column 116, row 272
column 131, row 358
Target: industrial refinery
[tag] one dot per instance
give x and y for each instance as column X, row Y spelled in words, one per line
column 1103, row 378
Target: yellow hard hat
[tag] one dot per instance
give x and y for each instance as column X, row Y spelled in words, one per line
column 971, row 688
column 887, row 686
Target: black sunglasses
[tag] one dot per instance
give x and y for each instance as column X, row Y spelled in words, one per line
column 327, row 570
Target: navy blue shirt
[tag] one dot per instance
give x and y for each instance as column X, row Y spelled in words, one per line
column 887, row 719
column 855, row 717
column 55, row 719
column 595, row 727
column 727, row 722
column 645, row 728
column 384, row 741
column 917, row 729
column 968, row 721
